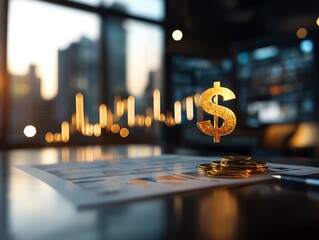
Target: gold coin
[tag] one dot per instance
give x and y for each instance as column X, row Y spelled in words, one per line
column 260, row 171
column 204, row 167
column 236, row 158
column 243, row 162
column 233, row 167
column 216, row 163
column 251, row 164
column 222, row 175
column 229, row 171
column 232, row 162
column 236, row 168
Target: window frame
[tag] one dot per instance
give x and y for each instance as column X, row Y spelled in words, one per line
column 103, row 14
column 4, row 89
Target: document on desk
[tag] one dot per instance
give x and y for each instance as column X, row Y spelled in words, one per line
column 105, row 182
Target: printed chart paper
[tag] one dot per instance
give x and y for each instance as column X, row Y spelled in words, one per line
column 105, row 182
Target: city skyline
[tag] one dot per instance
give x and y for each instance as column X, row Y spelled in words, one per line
column 39, row 44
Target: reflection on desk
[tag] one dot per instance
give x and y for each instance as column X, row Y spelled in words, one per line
column 30, row 209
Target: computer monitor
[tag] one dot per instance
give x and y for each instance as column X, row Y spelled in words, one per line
column 277, row 83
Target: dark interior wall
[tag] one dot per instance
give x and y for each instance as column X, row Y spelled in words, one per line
column 223, row 28
column 210, row 27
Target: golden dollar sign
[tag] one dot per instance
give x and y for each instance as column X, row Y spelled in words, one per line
column 209, row 103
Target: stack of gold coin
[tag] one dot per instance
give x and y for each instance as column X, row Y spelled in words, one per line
column 233, row 167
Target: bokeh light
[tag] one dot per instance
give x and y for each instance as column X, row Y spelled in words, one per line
column 302, row 33
column 30, row 131
column 177, row 35
column 124, row 132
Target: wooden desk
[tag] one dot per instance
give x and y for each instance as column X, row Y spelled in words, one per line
column 30, row 209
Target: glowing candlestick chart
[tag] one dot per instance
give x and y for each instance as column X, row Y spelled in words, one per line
column 122, row 118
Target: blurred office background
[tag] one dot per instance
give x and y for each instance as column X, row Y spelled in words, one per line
column 131, row 71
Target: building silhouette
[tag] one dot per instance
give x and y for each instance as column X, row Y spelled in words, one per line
column 116, row 55
column 28, row 107
column 78, row 73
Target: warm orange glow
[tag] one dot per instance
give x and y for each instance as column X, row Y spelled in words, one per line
column 115, row 128
column 157, row 104
column 49, row 137
column 103, row 115
column 115, row 115
column 109, row 120
column 306, row 135
column 73, row 124
column 116, row 99
column 178, row 112
column 189, row 108
column 86, row 126
column 317, row 22
column 57, row 137
column 302, row 33
column 119, row 108
column 73, row 121
column 86, row 130
column 162, row 117
column 140, row 120
column 219, row 215
column 97, row 151
column 157, row 151
column 196, row 99
column 169, row 121
column 89, row 154
column 276, row 89
column 65, row 154
column 65, row 131
column 131, row 111
column 97, row 130
column 79, row 105
column 148, row 121
column 89, row 130
column 124, row 132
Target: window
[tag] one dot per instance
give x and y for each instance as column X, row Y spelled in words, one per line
column 59, row 56
column 134, row 52
column 150, row 9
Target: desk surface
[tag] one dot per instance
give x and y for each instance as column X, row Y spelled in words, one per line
column 30, row 209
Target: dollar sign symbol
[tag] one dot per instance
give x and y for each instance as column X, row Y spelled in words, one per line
column 211, row 107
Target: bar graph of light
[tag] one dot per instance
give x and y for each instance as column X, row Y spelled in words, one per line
column 97, row 130
column 124, row 116
column 189, row 108
column 65, row 131
column 109, row 120
column 157, row 104
column 79, row 106
column 119, row 108
column 103, row 115
column 178, row 112
column 131, row 111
